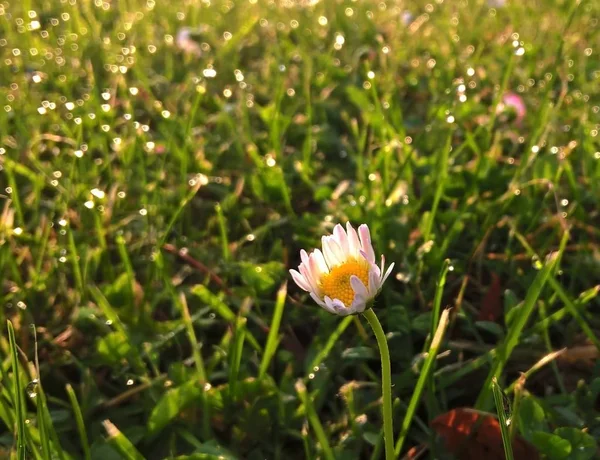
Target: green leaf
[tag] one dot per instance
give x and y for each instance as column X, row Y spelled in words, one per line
column 551, row 445
column 214, row 302
column 491, row 327
column 209, row 451
column 262, row 278
column 113, row 347
column 531, row 417
column 371, row 437
column 171, row 404
column 422, row 323
column 510, row 303
column 583, row 446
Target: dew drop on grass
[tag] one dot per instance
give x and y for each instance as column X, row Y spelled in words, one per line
column 537, row 264
column 31, row 388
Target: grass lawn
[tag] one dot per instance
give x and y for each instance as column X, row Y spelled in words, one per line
column 162, row 164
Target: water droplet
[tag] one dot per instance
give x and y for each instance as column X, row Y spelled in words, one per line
column 97, row 193
column 31, row 388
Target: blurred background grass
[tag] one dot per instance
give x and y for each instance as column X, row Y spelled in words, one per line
column 162, row 164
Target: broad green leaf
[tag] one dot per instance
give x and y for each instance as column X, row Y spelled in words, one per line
column 531, row 417
column 113, row 347
column 262, row 278
column 584, row 447
column 552, row 446
column 171, row 403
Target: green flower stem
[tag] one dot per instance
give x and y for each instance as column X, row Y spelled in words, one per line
column 386, row 383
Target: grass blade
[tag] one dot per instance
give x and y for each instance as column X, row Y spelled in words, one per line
column 79, row 421
column 423, row 377
column 272, row 339
column 235, row 354
column 437, row 301
column 502, row 417
column 339, row 330
column 17, row 397
column 512, row 337
column 121, row 443
column 314, row 421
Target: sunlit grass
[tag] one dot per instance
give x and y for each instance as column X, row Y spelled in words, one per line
column 162, row 163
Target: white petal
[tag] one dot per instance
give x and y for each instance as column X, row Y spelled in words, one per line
column 359, row 288
column 374, row 283
column 372, row 265
column 300, row 280
column 365, row 242
column 304, row 257
column 340, row 308
column 382, row 264
column 329, row 253
column 329, row 305
column 359, row 305
column 376, row 269
column 337, row 249
column 308, row 276
column 322, row 304
column 387, row 273
column 318, row 256
column 353, row 243
column 341, row 238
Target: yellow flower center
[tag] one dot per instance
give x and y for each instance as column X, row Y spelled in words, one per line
column 336, row 284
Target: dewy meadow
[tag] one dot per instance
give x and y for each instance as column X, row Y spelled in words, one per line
column 164, row 165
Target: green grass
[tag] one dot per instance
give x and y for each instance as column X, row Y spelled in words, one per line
column 153, row 198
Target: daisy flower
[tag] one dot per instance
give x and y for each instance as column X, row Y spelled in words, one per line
column 343, row 278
